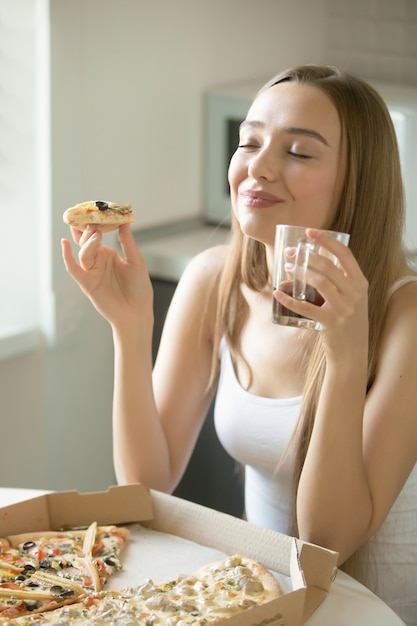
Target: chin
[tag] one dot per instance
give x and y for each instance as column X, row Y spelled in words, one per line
column 258, row 229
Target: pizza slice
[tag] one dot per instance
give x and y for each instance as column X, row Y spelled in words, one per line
column 46, row 570
column 88, row 557
column 105, row 215
column 22, row 599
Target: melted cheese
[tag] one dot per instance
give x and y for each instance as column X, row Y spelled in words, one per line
column 197, row 600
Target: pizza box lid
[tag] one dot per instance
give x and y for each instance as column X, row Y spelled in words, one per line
column 311, row 569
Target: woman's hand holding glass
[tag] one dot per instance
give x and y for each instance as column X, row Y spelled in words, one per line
column 343, row 314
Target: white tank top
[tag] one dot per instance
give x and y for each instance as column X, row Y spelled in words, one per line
column 255, row 431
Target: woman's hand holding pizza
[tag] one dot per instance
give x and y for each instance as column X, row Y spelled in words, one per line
column 117, row 284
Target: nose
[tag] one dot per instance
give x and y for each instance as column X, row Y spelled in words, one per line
column 264, row 164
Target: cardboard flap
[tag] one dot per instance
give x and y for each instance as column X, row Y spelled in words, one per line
column 117, row 505
column 297, row 574
column 22, row 517
column 69, row 509
column 222, row 531
column 319, row 567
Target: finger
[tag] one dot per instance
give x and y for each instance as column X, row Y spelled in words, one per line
column 129, row 247
column 301, row 307
column 87, row 233
column 341, row 251
column 76, row 234
column 70, row 263
column 321, row 270
column 324, row 282
column 305, row 309
column 87, row 255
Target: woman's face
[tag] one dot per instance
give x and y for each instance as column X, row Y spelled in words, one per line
column 288, row 167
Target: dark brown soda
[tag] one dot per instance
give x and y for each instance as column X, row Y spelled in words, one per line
column 278, row 309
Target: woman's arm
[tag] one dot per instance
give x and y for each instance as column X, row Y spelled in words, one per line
column 155, row 423
column 363, row 447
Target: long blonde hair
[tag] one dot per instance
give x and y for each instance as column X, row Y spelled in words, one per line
column 371, row 209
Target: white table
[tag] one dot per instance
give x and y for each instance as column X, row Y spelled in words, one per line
column 348, row 604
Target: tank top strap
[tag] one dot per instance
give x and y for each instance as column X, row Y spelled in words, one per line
column 404, row 280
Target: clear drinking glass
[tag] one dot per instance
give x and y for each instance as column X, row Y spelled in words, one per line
column 294, row 282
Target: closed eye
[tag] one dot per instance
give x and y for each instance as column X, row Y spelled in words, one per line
column 298, row 155
column 247, row 145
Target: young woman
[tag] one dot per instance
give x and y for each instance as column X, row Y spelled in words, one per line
column 325, row 423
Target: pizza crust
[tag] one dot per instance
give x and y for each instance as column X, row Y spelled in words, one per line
column 106, row 216
column 16, row 540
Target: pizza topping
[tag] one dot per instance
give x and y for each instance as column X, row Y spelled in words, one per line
column 90, row 539
column 93, row 578
column 59, row 590
column 113, row 206
column 108, row 560
column 53, row 580
column 41, row 573
column 76, row 565
column 102, row 206
column 249, row 585
column 24, row 593
column 10, row 567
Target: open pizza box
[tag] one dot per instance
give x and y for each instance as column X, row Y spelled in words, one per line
column 170, row 536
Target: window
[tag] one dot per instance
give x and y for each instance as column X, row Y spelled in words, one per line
column 24, row 155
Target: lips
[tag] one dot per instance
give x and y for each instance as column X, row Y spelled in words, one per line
column 255, row 197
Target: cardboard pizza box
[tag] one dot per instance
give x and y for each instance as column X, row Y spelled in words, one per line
column 310, row 569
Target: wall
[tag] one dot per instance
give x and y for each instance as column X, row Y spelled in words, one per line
column 23, row 429
column 376, row 39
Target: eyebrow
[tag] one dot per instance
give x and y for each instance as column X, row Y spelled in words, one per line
column 291, row 130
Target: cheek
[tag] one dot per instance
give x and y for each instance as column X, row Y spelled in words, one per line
column 317, row 198
column 234, row 176
column 323, row 186
column 331, row 190
column 237, row 171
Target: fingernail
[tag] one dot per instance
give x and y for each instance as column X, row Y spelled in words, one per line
column 277, row 294
column 313, row 233
column 290, row 251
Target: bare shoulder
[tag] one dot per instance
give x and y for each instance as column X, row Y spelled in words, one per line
column 403, row 302
column 400, row 329
column 197, row 289
column 206, row 266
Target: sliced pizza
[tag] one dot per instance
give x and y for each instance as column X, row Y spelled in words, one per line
column 18, row 600
column 45, row 570
column 106, row 216
column 211, row 595
column 85, row 556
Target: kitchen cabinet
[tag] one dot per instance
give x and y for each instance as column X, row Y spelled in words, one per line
column 212, row 477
